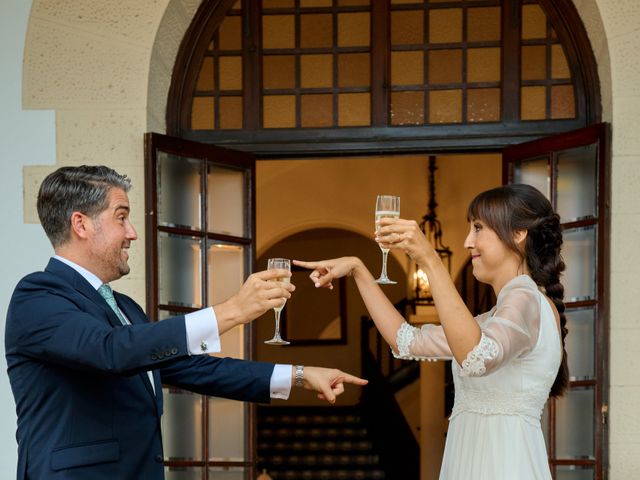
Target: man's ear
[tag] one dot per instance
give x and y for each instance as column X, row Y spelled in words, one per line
column 80, row 225
column 520, row 236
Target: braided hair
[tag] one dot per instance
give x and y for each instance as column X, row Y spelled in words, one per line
column 517, row 207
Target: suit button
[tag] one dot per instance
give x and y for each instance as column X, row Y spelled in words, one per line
column 167, row 353
column 159, row 458
column 154, row 357
column 174, row 350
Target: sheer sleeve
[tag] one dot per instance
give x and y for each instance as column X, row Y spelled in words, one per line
column 425, row 343
column 510, row 332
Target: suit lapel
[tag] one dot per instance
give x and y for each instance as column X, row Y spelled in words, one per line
column 79, row 283
column 134, row 317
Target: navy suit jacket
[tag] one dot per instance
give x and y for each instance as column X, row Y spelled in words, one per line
column 86, row 408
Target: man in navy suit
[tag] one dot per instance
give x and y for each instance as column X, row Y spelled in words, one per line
column 85, row 364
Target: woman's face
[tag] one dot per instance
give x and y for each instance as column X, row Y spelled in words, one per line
column 493, row 262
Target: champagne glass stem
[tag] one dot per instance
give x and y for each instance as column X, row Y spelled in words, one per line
column 385, row 254
column 277, row 333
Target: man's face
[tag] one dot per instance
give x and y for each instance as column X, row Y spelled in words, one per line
column 111, row 238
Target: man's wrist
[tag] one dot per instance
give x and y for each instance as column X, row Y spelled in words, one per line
column 228, row 315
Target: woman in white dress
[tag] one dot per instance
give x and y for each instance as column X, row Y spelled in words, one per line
column 506, row 361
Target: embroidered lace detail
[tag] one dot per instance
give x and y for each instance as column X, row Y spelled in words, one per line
column 527, row 404
column 474, row 364
column 404, row 337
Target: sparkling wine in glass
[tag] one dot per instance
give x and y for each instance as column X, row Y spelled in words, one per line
column 285, row 264
column 386, row 206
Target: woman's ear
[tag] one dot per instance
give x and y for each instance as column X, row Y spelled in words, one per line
column 520, row 236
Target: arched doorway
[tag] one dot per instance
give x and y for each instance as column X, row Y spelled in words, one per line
column 285, row 78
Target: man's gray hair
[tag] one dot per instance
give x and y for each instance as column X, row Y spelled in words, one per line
column 75, row 189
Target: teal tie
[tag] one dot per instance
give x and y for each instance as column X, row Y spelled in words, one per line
column 106, row 293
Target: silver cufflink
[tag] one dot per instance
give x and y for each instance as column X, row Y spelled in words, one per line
column 203, row 346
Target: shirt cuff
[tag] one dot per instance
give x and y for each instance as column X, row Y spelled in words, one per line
column 202, row 332
column 280, row 385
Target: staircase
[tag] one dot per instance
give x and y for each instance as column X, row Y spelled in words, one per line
column 316, row 443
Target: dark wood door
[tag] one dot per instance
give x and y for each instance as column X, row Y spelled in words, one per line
column 571, row 169
column 200, row 243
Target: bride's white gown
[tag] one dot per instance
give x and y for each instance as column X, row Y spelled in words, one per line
column 500, row 389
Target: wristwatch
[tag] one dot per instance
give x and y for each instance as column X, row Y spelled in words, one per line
column 299, row 376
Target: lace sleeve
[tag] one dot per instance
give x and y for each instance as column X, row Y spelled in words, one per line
column 512, row 331
column 425, row 343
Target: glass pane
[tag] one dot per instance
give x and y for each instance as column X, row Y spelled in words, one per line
column 226, row 270
column 230, row 73
column 574, row 424
column 534, row 172
column 277, row 3
column 354, row 109
column 347, row 3
column 230, row 33
column 230, row 112
column 316, row 71
column 205, row 77
column 202, row 113
column 445, row 106
column 574, row 472
column 534, row 62
column 483, row 65
column 534, row 22
column 483, row 24
column 407, row 27
column 279, row 71
column 407, row 68
column 559, row 65
column 354, row 70
column 179, row 191
column 227, row 473
column 580, row 343
column 563, row 104
column 483, row 105
column 182, row 425
column 279, row 111
column 407, row 108
column 180, row 270
column 579, row 254
column 226, row 202
column 445, row 66
column 226, row 430
column 316, row 31
column 577, row 177
column 317, row 110
column 278, row 31
column 353, row 29
column 445, row 25
column 533, row 103
column 315, row 3
column 183, row 473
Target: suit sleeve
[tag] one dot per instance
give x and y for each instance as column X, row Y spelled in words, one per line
column 221, row 377
column 52, row 323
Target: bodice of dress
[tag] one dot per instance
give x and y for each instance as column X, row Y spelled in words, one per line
column 512, row 369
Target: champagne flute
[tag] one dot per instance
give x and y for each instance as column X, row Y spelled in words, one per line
column 386, row 206
column 285, row 264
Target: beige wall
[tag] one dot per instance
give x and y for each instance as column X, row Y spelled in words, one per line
column 90, row 61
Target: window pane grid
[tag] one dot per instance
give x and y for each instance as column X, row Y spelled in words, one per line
column 325, row 56
column 546, row 87
column 220, row 76
column 458, row 68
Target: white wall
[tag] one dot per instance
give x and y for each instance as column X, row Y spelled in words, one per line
column 26, row 138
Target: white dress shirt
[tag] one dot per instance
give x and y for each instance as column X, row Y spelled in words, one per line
column 202, row 336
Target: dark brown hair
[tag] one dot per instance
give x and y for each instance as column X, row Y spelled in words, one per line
column 515, row 207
